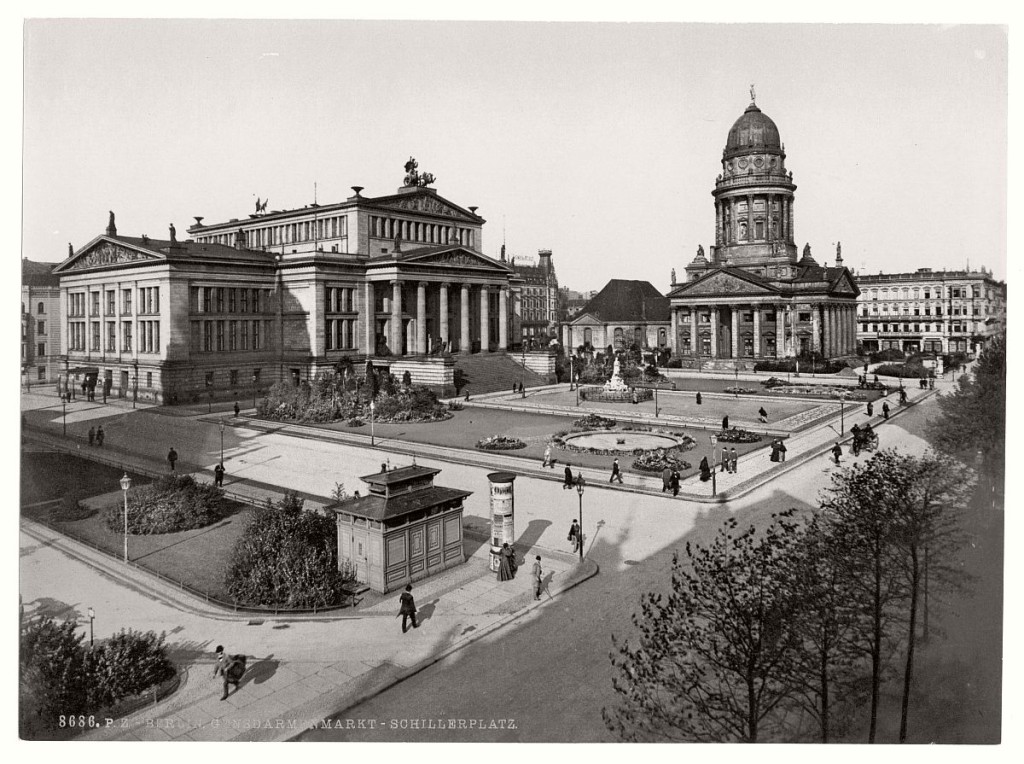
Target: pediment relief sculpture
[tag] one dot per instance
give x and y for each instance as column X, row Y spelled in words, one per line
column 107, row 254
column 722, row 283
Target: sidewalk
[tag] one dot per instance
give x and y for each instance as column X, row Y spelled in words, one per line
column 333, row 662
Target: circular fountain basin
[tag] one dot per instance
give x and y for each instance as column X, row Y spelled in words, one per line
column 609, row 441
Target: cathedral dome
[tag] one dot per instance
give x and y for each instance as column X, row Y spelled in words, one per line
column 753, row 132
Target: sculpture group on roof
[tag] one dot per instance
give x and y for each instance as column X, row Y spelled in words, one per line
column 415, row 178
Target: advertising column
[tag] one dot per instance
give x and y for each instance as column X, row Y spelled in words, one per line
column 503, row 504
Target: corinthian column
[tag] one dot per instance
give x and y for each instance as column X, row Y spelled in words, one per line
column 465, row 344
column 396, row 318
column 421, row 318
column 369, row 320
column 443, row 309
column 503, row 318
column 485, row 319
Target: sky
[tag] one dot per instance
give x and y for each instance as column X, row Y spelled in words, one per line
column 600, row 141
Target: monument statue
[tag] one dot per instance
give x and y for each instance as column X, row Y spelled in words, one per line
column 807, row 249
column 616, row 384
column 174, row 240
column 700, row 251
column 413, row 177
column 753, row 98
column 673, row 276
column 71, row 250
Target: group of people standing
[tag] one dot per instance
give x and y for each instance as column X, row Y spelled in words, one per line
column 96, row 435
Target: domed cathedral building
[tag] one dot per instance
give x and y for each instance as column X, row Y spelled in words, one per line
column 754, row 295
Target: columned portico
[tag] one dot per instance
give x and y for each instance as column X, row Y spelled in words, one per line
column 757, row 331
column 369, row 319
column 714, row 332
column 735, row 338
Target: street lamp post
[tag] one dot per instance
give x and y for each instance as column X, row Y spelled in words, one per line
column 126, row 483
column 522, row 379
column 92, row 617
column 580, row 483
column 372, row 406
column 714, row 466
column 221, row 441
column 64, row 405
column 254, row 391
column 842, row 413
column 655, row 401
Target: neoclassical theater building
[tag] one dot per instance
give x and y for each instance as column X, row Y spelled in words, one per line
column 398, row 280
column 753, row 297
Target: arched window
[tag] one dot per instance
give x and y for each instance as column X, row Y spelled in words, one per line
column 588, row 337
column 40, row 309
column 619, row 341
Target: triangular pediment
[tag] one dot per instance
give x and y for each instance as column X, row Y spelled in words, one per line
column 430, row 204
column 845, row 285
column 455, row 256
column 586, row 319
column 105, row 252
column 721, row 284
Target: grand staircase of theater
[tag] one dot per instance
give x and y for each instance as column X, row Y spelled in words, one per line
column 494, row 372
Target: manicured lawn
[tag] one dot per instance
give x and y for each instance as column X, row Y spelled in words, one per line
column 197, row 558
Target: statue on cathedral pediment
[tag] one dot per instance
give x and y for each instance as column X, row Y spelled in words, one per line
column 415, row 178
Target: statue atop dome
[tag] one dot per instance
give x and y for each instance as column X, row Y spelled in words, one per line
column 753, row 97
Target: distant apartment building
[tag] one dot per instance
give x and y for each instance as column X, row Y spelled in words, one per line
column 930, row 311
column 538, row 304
column 571, row 302
column 40, row 322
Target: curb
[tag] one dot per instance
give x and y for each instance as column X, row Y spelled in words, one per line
column 572, row 582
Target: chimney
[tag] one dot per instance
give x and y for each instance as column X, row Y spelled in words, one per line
column 545, row 260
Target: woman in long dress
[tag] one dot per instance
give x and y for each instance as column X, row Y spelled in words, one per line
column 705, row 470
column 507, row 565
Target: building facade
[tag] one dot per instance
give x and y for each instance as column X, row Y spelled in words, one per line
column 282, row 295
column 538, row 294
column 40, row 323
column 753, row 297
column 928, row 311
column 623, row 314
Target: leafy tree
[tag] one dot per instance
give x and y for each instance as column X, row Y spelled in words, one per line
column 925, row 495
column 52, row 677
column 972, row 423
column 714, row 659
column 863, row 523
column 288, row 557
column 827, row 668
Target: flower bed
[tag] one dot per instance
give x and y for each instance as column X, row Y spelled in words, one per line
column 593, row 422
column 658, row 459
column 741, row 391
column 500, row 443
column 558, row 440
column 738, row 436
column 776, row 386
column 595, row 393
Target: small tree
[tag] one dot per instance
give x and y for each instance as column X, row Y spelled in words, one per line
column 127, row 664
column 863, row 524
column 714, row 659
column 52, row 673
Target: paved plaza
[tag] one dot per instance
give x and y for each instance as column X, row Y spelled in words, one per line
column 306, row 668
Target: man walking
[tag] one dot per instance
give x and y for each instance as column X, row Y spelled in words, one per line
column 733, row 460
column 885, row 409
column 237, row 410
column 674, row 481
column 762, row 414
column 871, row 408
column 92, row 435
column 172, row 457
column 230, row 667
column 538, row 578
column 666, row 478
column 574, row 535
column 837, row 451
column 100, row 436
column 616, row 474
column 725, row 423
column 568, row 478
column 407, row 608
column 218, row 475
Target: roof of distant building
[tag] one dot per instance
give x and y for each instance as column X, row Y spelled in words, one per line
column 628, row 301
column 38, row 274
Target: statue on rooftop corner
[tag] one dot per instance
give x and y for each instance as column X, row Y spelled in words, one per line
column 807, row 249
column 700, row 251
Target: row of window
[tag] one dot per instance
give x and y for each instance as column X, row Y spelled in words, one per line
column 955, row 327
column 428, row 233
column 254, row 378
column 340, row 300
column 339, row 334
column 335, row 227
column 149, row 302
column 227, row 300
column 956, row 310
column 211, row 336
column 963, row 292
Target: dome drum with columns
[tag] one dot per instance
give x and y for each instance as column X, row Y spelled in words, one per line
column 753, row 298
